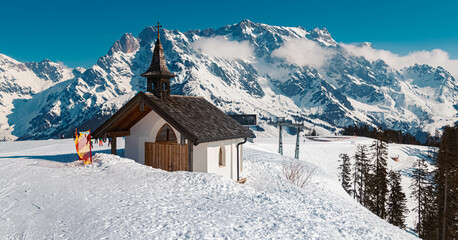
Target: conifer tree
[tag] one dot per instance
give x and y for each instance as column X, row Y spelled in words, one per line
column 396, row 204
column 378, row 183
column 419, row 186
column 345, row 174
column 446, row 182
column 430, row 216
column 429, row 222
column 362, row 175
column 356, row 176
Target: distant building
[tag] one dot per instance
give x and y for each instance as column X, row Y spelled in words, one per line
column 176, row 133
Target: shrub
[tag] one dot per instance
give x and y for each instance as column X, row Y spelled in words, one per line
column 298, row 172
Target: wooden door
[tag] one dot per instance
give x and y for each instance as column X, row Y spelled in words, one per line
column 169, row 157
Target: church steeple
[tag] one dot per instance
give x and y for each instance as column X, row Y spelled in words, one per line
column 158, row 75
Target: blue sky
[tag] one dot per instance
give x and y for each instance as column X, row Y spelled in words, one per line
column 78, row 32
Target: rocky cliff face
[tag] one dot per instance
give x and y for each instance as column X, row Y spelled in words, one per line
column 242, row 68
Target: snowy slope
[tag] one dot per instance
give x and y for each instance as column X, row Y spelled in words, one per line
column 326, row 155
column 44, row 194
column 250, row 67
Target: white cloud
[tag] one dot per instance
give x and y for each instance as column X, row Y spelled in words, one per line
column 436, row 57
column 303, row 52
column 62, row 64
column 221, row 47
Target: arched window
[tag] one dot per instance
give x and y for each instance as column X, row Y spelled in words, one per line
column 166, row 135
column 222, row 157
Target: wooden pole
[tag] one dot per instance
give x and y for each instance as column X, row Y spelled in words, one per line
column 113, row 145
column 190, row 155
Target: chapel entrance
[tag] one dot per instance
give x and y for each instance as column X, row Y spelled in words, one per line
column 166, row 153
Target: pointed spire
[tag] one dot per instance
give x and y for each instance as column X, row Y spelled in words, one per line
column 158, row 65
column 158, row 75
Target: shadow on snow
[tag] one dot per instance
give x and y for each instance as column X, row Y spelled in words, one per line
column 65, row 158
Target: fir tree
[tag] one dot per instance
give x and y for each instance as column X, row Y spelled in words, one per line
column 429, row 222
column 446, row 182
column 396, row 204
column 362, row 175
column 379, row 186
column 345, row 174
column 419, row 192
column 356, row 176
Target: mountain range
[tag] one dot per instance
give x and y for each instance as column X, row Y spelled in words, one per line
column 246, row 67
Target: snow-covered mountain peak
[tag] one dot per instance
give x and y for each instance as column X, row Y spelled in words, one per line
column 127, row 44
column 245, row 67
column 425, row 75
column 49, row 70
column 365, row 44
column 10, row 63
column 147, row 35
column 322, row 36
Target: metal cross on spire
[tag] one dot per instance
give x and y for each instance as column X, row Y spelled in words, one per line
column 158, row 26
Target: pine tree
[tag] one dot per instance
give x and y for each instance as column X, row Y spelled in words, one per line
column 420, row 182
column 446, row 182
column 361, row 174
column 429, row 223
column 379, row 184
column 396, row 204
column 356, row 176
column 366, row 176
column 345, row 174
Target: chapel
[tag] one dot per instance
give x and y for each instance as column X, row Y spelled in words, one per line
column 175, row 132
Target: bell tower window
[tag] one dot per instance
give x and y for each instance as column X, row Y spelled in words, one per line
column 158, row 74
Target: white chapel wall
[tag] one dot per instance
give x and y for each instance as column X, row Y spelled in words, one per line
column 230, row 152
column 205, row 155
column 144, row 131
column 199, row 163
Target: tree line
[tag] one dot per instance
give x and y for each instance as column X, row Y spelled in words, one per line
column 389, row 135
column 370, row 183
column 434, row 187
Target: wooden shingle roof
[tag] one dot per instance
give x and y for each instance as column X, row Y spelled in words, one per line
column 194, row 117
column 158, row 66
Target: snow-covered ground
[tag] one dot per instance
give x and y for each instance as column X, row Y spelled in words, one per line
column 46, row 194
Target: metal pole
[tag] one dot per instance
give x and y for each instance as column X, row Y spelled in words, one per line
column 296, row 154
column 280, row 144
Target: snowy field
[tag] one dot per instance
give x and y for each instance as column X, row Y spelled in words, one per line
column 46, row 194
